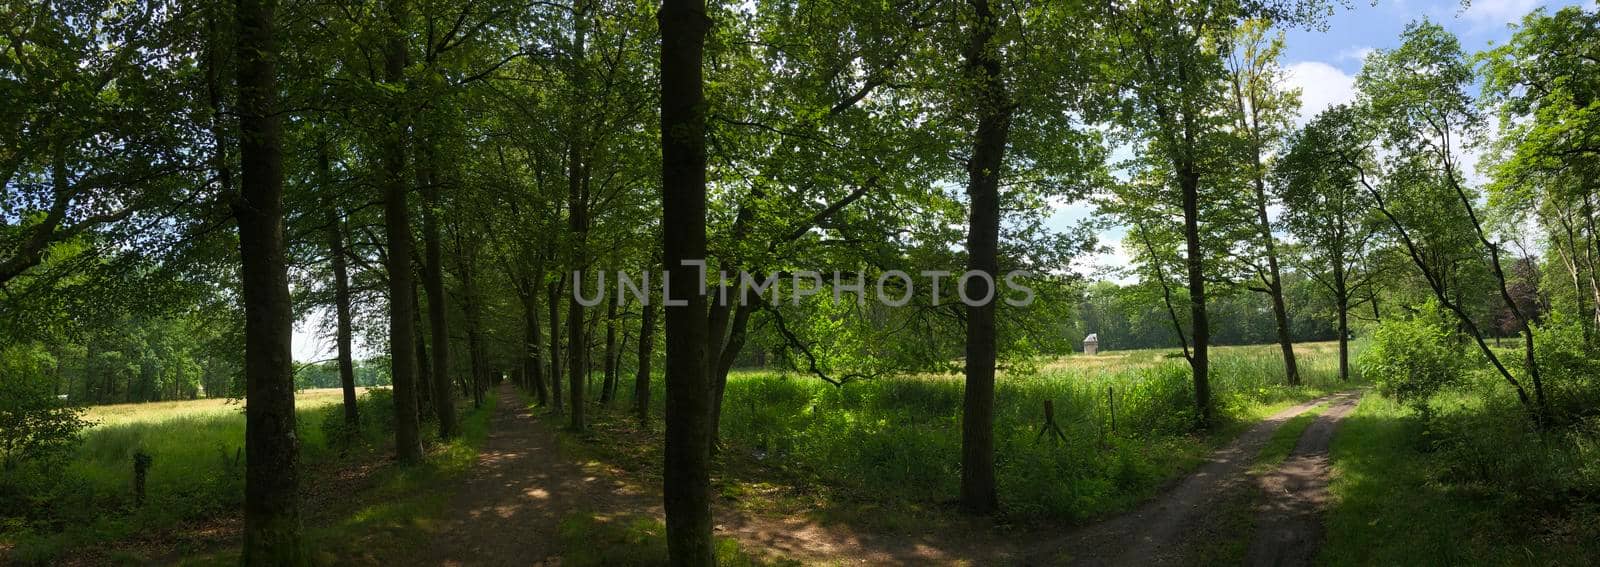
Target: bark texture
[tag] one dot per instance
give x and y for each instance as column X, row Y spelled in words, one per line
column 272, row 496
column 686, row 480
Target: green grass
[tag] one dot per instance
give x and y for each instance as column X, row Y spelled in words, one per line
column 589, row 540
column 1283, row 441
column 197, row 476
column 402, row 511
column 885, row 453
column 1474, row 486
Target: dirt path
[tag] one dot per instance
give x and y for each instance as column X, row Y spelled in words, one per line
column 1289, row 524
column 508, row 510
column 1163, row 529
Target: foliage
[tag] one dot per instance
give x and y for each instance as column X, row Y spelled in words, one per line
column 1412, row 359
column 1571, row 368
column 1475, row 485
column 35, row 426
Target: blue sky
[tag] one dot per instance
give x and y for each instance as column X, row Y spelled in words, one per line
column 1323, row 64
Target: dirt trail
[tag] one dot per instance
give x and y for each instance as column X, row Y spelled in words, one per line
column 508, row 510
column 1161, row 530
column 1289, row 524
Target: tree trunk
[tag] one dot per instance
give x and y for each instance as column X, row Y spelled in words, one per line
column 641, row 376
column 427, row 383
column 686, row 482
column 577, row 222
column 609, row 386
column 473, row 305
column 554, row 306
column 532, row 344
column 978, row 493
column 272, row 495
column 341, row 308
column 341, row 286
column 433, row 280
column 1200, row 329
column 397, row 231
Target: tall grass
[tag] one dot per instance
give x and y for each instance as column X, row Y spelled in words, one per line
column 897, row 439
column 196, row 471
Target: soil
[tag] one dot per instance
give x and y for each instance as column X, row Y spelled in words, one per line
column 1289, row 522
column 1164, row 530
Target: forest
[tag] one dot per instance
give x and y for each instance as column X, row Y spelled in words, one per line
column 799, row 282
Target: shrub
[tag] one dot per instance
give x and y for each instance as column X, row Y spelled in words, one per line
column 1411, row 360
column 1569, row 368
column 374, row 409
column 34, row 424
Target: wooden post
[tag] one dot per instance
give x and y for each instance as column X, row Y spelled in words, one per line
column 141, row 466
column 1050, row 425
column 1111, row 399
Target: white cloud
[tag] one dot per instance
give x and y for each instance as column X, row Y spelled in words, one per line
column 1357, row 54
column 1498, row 12
column 1321, row 86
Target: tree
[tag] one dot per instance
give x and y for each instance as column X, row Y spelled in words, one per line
column 397, row 232
column 1422, row 117
column 1329, row 214
column 1261, row 114
column 686, row 482
column 272, row 484
column 993, row 109
column 1168, row 94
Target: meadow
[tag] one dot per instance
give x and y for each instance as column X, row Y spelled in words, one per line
column 194, row 486
column 882, row 453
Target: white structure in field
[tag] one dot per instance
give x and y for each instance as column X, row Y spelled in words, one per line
column 1091, row 343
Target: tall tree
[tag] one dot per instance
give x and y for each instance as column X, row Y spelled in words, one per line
column 1327, row 212
column 272, row 498
column 1416, row 94
column 993, row 107
column 577, row 216
column 686, row 483
column 1261, row 110
column 397, row 232
column 433, row 281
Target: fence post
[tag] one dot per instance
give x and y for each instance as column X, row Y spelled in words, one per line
column 1111, row 398
column 141, row 466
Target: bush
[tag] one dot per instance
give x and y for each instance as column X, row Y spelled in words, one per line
column 35, row 426
column 1569, row 368
column 374, row 409
column 1411, row 360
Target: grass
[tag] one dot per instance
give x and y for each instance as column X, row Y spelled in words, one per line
column 884, row 453
column 1283, row 441
column 118, row 414
column 403, row 508
column 1474, row 486
column 196, row 479
column 589, row 540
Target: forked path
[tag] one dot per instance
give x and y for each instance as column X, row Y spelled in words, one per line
column 1164, row 530
column 508, row 510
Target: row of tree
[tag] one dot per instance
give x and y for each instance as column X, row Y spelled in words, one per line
column 438, row 177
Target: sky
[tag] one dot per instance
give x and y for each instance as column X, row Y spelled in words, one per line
column 1322, row 64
